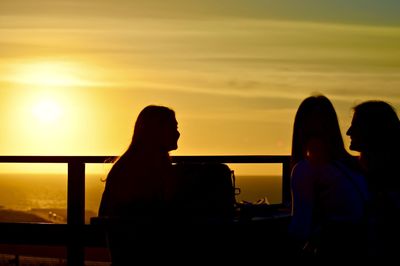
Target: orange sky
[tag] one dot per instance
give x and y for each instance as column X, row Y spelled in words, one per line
column 72, row 83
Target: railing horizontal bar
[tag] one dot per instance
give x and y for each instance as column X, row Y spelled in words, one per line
column 55, row 159
column 177, row 158
column 233, row 158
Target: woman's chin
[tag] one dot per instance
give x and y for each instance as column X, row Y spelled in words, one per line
column 354, row 147
column 172, row 148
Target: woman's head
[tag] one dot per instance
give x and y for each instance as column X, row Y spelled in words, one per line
column 316, row 130
column 375, row 126
column 156, row 128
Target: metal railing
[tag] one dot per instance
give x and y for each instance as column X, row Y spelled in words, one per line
column 76, row 186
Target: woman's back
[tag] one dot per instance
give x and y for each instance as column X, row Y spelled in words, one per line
column 331, row 191
column 136, row 186
column 329, row 208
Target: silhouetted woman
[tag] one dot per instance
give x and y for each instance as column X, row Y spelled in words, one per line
column 140, row 186
column 375, row 133
column 328, row 190
column 141, row 181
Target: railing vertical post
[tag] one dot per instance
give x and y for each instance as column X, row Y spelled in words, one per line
column 286, row 191
column 76, row 213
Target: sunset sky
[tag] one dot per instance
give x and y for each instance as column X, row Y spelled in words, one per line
column 75, row 74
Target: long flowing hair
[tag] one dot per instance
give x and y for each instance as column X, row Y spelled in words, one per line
column 316, row 119
column 148, row 127
column 147, row 133
column 380, row 127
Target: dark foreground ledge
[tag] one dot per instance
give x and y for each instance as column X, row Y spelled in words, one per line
column 220, row 241
column 257, row 237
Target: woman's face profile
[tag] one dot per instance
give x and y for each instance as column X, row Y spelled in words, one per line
column 355, row 134
column 170, row 135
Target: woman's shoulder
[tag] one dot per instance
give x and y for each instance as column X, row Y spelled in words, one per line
column 303, row 168
column 349, row 167
column 120, row 168
column 311, row 168
column 303, row 177
column 306, row 166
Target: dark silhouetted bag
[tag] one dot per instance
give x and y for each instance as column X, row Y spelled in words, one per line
column 207, row 191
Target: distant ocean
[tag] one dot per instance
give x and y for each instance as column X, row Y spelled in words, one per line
column 46, row 194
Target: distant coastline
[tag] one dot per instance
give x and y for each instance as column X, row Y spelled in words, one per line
column 46, row 215
column 15, row 216
column 43, row 198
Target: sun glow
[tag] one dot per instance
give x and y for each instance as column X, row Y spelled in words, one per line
column 51, row 103
column 50, row 74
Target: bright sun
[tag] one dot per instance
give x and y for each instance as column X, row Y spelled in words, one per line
column 47, row 110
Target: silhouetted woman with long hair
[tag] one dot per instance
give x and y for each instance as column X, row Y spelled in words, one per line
column 375, row 133
column 328, row 190
column 141, row 181
column 140, row 187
